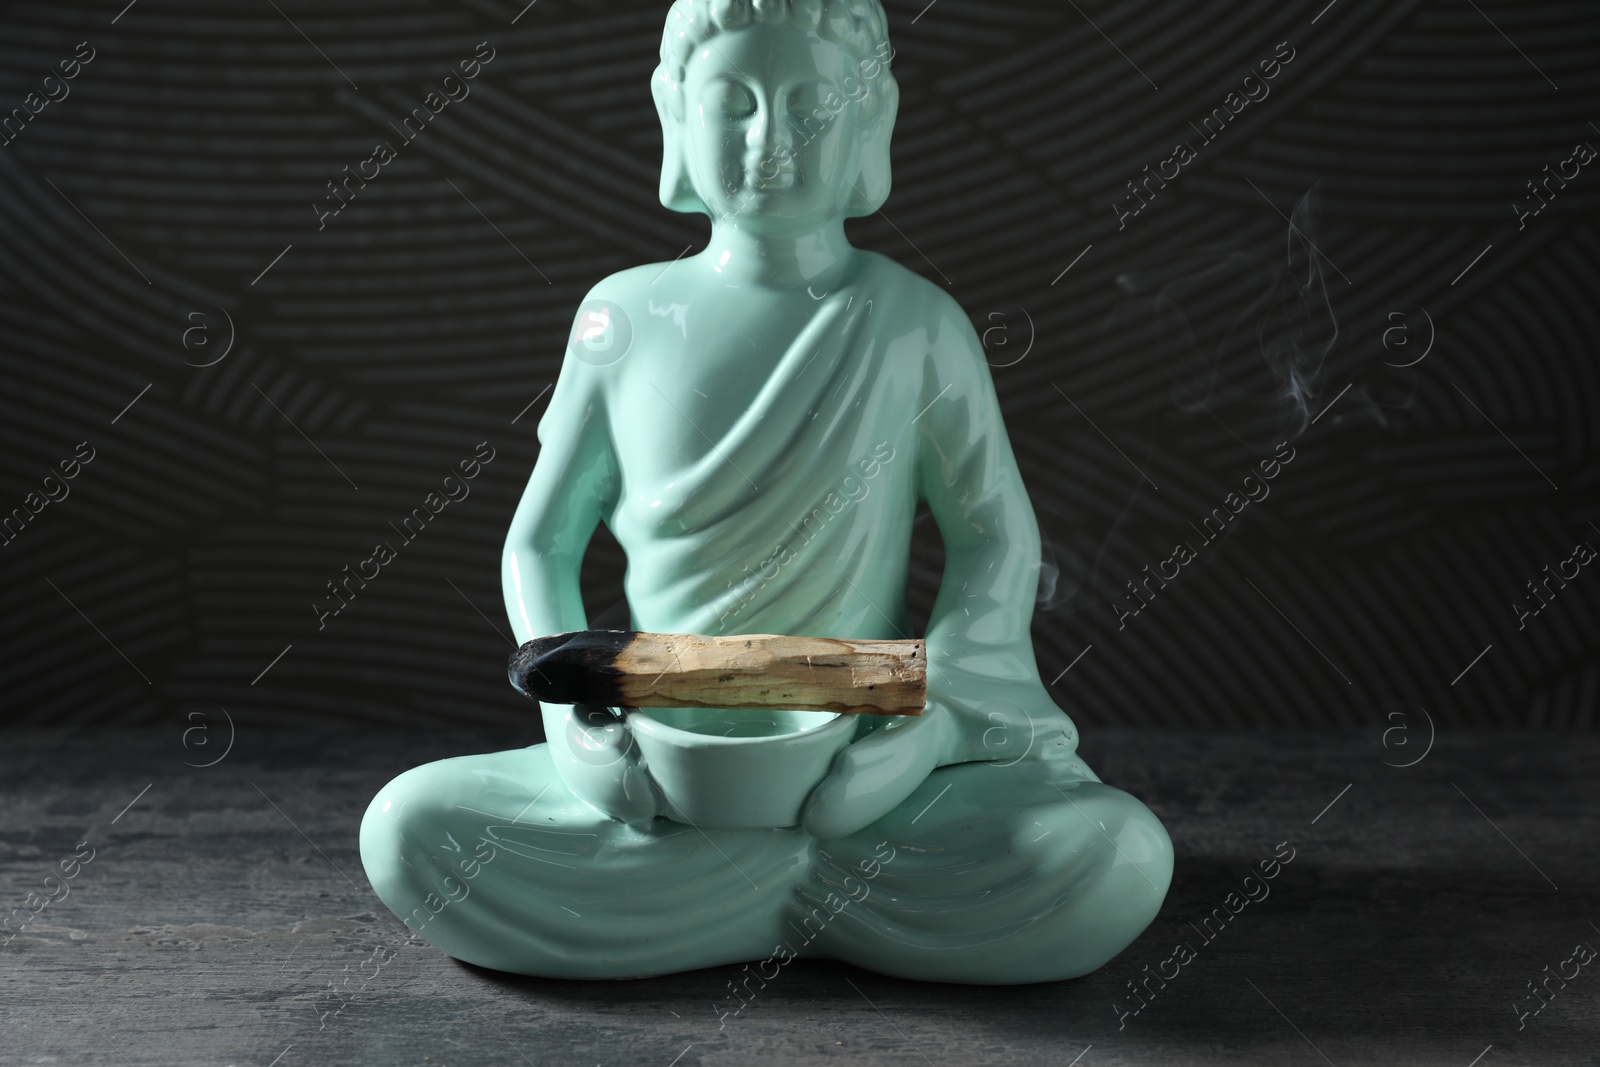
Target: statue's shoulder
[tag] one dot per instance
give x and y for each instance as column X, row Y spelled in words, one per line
column 885, row 272
column 942, row 315
column 627, row 288
column 618, row 313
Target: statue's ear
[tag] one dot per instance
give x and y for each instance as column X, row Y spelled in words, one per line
column 872, row 184
column 677, row 190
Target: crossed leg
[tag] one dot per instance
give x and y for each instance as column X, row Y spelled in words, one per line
column 986, row 874
column 994, row 875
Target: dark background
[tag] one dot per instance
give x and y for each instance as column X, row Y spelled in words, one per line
column 432, row 314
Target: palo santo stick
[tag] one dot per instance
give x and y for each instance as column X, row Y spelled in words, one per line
column 619, row 668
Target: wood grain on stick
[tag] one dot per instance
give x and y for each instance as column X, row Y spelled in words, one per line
column 619, row 668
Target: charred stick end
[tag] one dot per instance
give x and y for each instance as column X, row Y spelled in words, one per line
column 573, row 668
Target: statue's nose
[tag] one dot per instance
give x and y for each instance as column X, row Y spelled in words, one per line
column 769, row 132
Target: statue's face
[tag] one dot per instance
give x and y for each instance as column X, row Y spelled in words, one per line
column 772, row 127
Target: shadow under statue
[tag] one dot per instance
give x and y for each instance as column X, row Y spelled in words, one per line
column 756, row 425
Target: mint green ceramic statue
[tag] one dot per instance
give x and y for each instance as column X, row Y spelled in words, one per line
column 757, row 424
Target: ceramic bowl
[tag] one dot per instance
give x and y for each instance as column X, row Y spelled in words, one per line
column 738, row 769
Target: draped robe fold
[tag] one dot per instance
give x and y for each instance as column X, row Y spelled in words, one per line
column 1010, row 863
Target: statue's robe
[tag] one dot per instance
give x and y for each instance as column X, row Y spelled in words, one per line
column 1012, row 862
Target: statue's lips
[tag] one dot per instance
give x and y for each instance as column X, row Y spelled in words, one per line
column 782, row 180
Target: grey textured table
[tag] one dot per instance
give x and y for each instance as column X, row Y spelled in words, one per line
column 223, row 906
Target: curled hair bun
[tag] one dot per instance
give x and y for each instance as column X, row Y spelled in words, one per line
column 859, row 25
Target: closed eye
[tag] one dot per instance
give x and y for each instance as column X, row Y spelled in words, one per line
column 729, row 100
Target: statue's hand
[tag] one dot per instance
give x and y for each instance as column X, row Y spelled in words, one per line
column 872, row 776
column 600, row 763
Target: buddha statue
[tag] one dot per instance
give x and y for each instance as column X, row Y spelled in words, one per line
column 757, row 425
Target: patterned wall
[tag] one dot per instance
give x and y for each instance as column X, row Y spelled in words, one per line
column 1355, row 240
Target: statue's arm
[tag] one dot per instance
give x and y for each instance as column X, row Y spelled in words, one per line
column 967, row 474
column 574, row 484
column 980, row 648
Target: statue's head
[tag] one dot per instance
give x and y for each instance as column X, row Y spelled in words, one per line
column 776, row 114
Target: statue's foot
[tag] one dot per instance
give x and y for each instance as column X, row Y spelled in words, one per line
column 493, row 860
column 990, row 875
